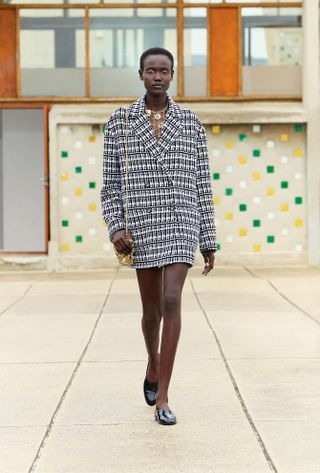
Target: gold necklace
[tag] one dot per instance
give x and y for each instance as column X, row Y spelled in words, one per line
column 156, row 115
column 157, row 120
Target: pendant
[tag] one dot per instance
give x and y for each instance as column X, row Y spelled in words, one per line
column 157, row 116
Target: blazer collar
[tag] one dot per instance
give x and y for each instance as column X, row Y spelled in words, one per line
column 140, row 127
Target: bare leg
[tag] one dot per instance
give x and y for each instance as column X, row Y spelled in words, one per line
column 150, row 285
column 173, row 281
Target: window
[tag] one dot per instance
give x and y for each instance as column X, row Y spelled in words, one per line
column 223, row 49
column 51, row 58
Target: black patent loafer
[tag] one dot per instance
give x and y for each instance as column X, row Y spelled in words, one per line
column 165, row 417
column 150, row 391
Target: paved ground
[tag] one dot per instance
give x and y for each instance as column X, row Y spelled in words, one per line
column 246, row 385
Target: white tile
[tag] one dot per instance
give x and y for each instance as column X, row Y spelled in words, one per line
column 216, row 153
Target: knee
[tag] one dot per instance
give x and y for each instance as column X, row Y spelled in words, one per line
column 151, row 317
column 171, row 304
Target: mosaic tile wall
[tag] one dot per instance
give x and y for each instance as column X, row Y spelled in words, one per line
column 258, row 174
column 259, row 187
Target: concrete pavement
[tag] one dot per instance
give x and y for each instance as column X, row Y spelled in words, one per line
column 245, row 387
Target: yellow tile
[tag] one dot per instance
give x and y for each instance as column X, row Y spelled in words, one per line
column 243, row 232
column 270, row 191
column 284, row 207
column 216, row 200
column 298, row 152
column 229, row 216
column 229, row 144
column 103, row 223
column 78, row 192
column 215, row 129
column 284, row 137
column 256, row 176
column 298, row 222
column 92, row 138
column 64, row 176
column 256, row 248
column 243, row 160
column 92, row 207
column 65, row 247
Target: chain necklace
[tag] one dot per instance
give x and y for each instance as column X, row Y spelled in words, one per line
column 157, row 119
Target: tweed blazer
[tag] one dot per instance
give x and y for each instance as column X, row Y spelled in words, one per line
column 170, row 206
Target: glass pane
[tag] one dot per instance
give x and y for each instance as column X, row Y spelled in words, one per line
column 52, row 53
column 117, row 42
column 39, row 2
column 195, row 52
column 272, row 51
column 36, row 2
column 203, row 1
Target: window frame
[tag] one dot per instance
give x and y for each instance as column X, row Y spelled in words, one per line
column 180, row 6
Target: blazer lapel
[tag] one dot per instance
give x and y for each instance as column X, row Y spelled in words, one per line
column 141, row 128
column 172, row 127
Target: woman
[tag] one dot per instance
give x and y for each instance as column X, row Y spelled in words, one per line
column 170, row 210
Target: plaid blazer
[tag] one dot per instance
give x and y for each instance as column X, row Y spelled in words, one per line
column 170, row 208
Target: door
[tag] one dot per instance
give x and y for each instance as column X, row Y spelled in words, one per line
column 23, row 181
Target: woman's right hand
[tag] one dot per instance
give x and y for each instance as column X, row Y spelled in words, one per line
column 122, row 243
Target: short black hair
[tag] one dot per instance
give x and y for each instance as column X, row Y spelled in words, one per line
column 156, row 51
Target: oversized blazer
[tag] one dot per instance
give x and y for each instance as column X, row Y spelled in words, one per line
column 170, row 207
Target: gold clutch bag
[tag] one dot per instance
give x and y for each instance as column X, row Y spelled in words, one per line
column 126, row 260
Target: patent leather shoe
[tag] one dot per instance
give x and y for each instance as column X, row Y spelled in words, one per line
column 165, row 417
column 150, row 392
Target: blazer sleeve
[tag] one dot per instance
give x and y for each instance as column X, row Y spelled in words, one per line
column 207, row 240
column 111, row 202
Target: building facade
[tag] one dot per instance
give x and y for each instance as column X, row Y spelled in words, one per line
column 249, row 70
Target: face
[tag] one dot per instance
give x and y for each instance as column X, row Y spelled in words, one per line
column 157, row 74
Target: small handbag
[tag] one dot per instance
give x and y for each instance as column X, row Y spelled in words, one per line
column 126, row 260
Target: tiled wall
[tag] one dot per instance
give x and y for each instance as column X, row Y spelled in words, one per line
column 258, row 174
column 259, row 187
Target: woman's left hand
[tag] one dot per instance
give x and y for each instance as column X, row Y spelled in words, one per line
column 208, row 257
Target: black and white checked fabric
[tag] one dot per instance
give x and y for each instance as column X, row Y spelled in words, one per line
column 170, row 208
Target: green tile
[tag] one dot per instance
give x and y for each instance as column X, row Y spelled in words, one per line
column 78, row 169
column 243, row 207
column 298, row 200
column 229, row 191
column 284, row 184
column 270, row 239
column 242, row 136
column 298, row 127
column 216, row 176
column 78, row 238
column 64, row 154
column 218, row 246
column 256, row 153
column 64, row 223
column 92, row 185
column 270, row 169
column 256, row 223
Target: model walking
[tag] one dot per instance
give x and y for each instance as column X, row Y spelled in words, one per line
column 170, row 210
